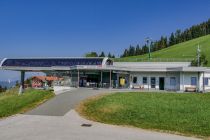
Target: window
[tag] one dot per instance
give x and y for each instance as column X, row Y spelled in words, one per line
column 134, row 80
column 193, row 81
column 172, row 81
column 206, row 81
column 144, row 80
column 153, row 82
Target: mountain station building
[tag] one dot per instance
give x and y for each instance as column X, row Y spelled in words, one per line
column 104, row 73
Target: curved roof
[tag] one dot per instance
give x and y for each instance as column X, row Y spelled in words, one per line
column 50, row 62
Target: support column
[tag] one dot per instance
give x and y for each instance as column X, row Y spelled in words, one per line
column 204, row 82
column 110, row 78
column 183, row 81
column 21, row 89
column 117, row 84
column 101, row 79
column 198, row 84
column 78, row 78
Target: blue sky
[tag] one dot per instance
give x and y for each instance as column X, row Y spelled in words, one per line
column 41, row 28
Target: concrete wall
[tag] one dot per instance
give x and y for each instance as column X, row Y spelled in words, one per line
column 185, row 77
column 183, row 80
column 157, row 75
column 207, row 87
column 177, row 79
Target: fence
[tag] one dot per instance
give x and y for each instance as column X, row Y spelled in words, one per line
column 153, row 60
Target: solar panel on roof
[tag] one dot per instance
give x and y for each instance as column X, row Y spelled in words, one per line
column 52, row 62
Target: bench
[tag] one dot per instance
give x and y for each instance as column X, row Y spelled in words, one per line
column 190, row 89
column 138, row 87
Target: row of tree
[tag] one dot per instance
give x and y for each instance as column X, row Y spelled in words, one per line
column 2, row 89
column 102, row 54
column 175, row 38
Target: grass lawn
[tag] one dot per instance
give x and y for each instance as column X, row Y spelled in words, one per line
column 12, row 103
column 187, row 114
column 185, row 50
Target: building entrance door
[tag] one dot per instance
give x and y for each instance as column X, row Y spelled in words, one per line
column 82, row 81
column 161, row 83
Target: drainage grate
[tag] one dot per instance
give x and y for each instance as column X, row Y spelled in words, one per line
column 86, row 125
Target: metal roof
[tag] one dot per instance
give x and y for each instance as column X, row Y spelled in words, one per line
column 50, row 64
column 152, row 64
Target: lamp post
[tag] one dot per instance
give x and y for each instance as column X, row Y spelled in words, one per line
column 148, row 41
column 198, row 55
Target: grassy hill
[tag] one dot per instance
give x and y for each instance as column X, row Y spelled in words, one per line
column 180, row 52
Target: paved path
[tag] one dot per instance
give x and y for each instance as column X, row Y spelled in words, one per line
column 64, row 102
column 55, row 121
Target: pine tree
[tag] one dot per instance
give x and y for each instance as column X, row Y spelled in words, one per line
column 172, row 40
column 137, row 52
column 109, row 55
column 131, row 51
column 102, row 54
column 125, row 54
column 179, row 37
column 145, row 49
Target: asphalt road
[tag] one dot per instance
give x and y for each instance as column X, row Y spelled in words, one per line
column 62, row 103
column 57, row 120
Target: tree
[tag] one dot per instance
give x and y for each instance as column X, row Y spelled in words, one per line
column 28, row 82
column 203, row 61
column 138, row 50
column 172, row 40
column 5, row 89
column 125, row 54
column 0, row 88
column 17, row 84
column 179, row 36
column 145, row 49
column 109, row 55
column 91, row 54
column 131, row 51
column 102, row 54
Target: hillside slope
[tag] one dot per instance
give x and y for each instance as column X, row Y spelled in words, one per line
column 185, row 50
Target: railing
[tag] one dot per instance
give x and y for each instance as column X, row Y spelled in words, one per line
column 153, row 60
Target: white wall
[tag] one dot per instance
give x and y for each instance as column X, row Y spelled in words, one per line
column 187, row 80
column 183, row 80
column 207, row 87
column 157, row 75
column 167, row 81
